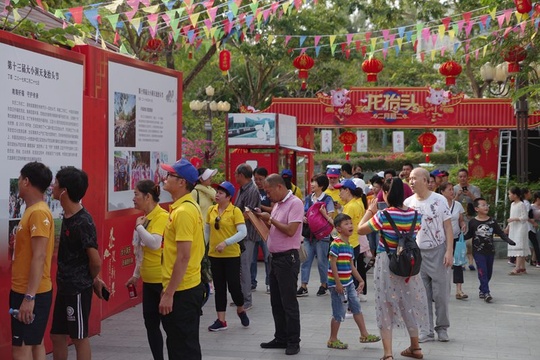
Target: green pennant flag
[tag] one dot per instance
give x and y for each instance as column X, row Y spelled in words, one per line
column 123, row 49
column 333, row 49
column 113, row 19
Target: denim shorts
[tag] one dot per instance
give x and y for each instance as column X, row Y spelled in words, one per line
column 339, row 308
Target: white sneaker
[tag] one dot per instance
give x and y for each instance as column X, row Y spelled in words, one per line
column 348, row 315
column 362, row 297
column 425, row 338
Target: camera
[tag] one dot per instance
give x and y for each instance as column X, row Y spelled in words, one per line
column 464, row 188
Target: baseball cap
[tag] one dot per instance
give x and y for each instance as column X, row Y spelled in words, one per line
column 207, row 174
column 286, row 173
column 227, row 187
column 184, row 169
column 380, row 174
column 443, row 173
column 436, row 172
column 349, row 184
column 361, row 184
column 333, row 172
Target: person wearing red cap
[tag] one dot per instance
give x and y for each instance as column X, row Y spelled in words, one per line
column 183, row 251
column 333, row 175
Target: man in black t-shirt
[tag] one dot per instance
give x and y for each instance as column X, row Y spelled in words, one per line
column 79, row 264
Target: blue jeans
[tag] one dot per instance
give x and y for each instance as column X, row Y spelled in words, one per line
column 484, row 267
column 319, row 248
column 264, row 248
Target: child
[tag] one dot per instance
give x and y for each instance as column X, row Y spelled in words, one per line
column 481, row 229
column 342, row 291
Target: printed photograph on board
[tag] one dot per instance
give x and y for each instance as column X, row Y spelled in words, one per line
column 252, row 129
column 125, row 112
column 140, row 167
column 121, row 170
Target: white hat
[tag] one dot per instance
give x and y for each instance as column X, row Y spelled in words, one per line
column 380, row 174
column 361, row 184
column 207, row 174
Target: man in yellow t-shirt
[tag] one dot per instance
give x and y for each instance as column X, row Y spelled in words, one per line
column 31, row 285
column 183, row 250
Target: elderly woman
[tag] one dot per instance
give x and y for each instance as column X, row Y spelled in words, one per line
column 147, row 239
column 398, row 302
column 225, row 227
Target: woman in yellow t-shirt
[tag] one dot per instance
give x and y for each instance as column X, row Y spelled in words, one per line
column 147, row 239
column 225, row 227
column 349, row 193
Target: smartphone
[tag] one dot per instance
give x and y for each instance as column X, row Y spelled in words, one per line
column 464, row 188
column 253, row 209
column 105, row 293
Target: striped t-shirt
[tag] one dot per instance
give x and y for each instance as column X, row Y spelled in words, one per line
column 403, row 220
column 344, row 253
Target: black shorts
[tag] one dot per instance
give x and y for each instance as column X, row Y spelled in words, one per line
column 30, row 334
column 71, row 313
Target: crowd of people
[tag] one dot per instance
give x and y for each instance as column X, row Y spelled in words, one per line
column 215, row 228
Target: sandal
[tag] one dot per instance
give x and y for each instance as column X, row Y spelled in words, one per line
column 387, row 357
column 371, row 263
column 409, row 352
column 337, row 345
column 370, row 338
column 517, row 272
column 461, row 296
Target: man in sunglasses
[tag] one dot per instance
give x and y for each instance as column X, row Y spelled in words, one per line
column 183, row 250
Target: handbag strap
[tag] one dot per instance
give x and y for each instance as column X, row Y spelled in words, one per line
column 396, row 230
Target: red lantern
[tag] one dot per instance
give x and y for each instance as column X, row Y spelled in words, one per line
column 224, row 61
column 196, row 161
column 427, row 140
column 514, row 56
column 451, row 70
column 303, row 63
column 372, row 67
column 523, row 6
column 347, row 138
column 153, row 47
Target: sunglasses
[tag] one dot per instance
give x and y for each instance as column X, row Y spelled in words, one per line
column 216, row 224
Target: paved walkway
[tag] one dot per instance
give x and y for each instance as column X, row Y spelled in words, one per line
column 508, row 328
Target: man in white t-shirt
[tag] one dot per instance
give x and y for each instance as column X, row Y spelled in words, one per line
column 435, row 240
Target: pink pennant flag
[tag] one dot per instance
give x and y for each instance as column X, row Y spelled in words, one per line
column 241, row 19
column 116, row 38
column 166, row 19
column 257, row 37
column 298, row 4
column 500, row 20
column 426, row 34
column 316, row 39
column 64, row 24
column 467, row 58
column 274, row 6
column 446, row 22
column 266, row 14
column 507, row 31
column 238, row 2
column 385, row 52
column 523, row 25
column 357, row 45
column 77, row 14
column 460, row 24
column 134, row 4
column 434, row 38
column 303, row 50
column 170, row 37
column 508, row 15
column 287, row 38
column 385, row 34
column 467, row 45
column 208, row 4
column 392, row 39
column 39, row 4
column 152, row 24
column 349, row 38
column 212, row 13
column 443, row 50
column 467, row 16
column 130, row 14
column 476, row 53
column 185, row 29
column 208, row 24
column 469, row 28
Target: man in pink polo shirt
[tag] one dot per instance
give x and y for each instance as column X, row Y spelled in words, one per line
column 283, row 243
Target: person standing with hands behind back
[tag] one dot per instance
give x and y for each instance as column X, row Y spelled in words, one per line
column 31, row 285
column 78, row 267
column 147, row 239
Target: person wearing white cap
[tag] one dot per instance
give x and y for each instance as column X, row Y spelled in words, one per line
column 204, row 194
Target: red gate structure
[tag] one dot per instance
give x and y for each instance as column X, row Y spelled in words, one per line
column 407, row 108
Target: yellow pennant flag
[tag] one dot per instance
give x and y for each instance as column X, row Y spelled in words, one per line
column 493, row 13
column 399, row 42
column 78, row 40
column 441, row 31
column 484, row 51
column 519, row 16
column 206, row 32
column 194, row 18
column 285, row 6
column 271, row 39
column 332, row 39
column 432, row 55
column 103, row 45
column 151, row 9
column 452, row 34
column 114, row 5
column 259, row 16
column 16, row 15
column 373, row 44
column 213, row 32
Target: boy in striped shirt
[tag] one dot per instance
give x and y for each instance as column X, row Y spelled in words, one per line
column 341, row 286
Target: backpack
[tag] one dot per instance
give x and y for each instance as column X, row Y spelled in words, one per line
column 318, row 225
column 407, row 259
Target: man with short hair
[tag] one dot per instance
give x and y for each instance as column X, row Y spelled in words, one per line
column 346, row 171
column 284, row 240
column 333, row 178
column 259, row 175
column 79, row 264
column 436, row 242
column 31, row 285
column 406, row 169
column 248, row 196
column 465, row 193
column 183, row 250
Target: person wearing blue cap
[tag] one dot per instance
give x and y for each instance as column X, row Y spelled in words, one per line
column 333, row 175
column 287, row 175
column 183, row 251
column 224, row 228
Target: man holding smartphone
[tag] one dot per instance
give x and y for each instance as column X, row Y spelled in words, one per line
column 465, row 193
column 79, row 264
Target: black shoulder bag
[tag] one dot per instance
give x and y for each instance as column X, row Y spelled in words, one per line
column 407, row 259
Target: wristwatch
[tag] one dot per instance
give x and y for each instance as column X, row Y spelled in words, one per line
column 29, row 297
